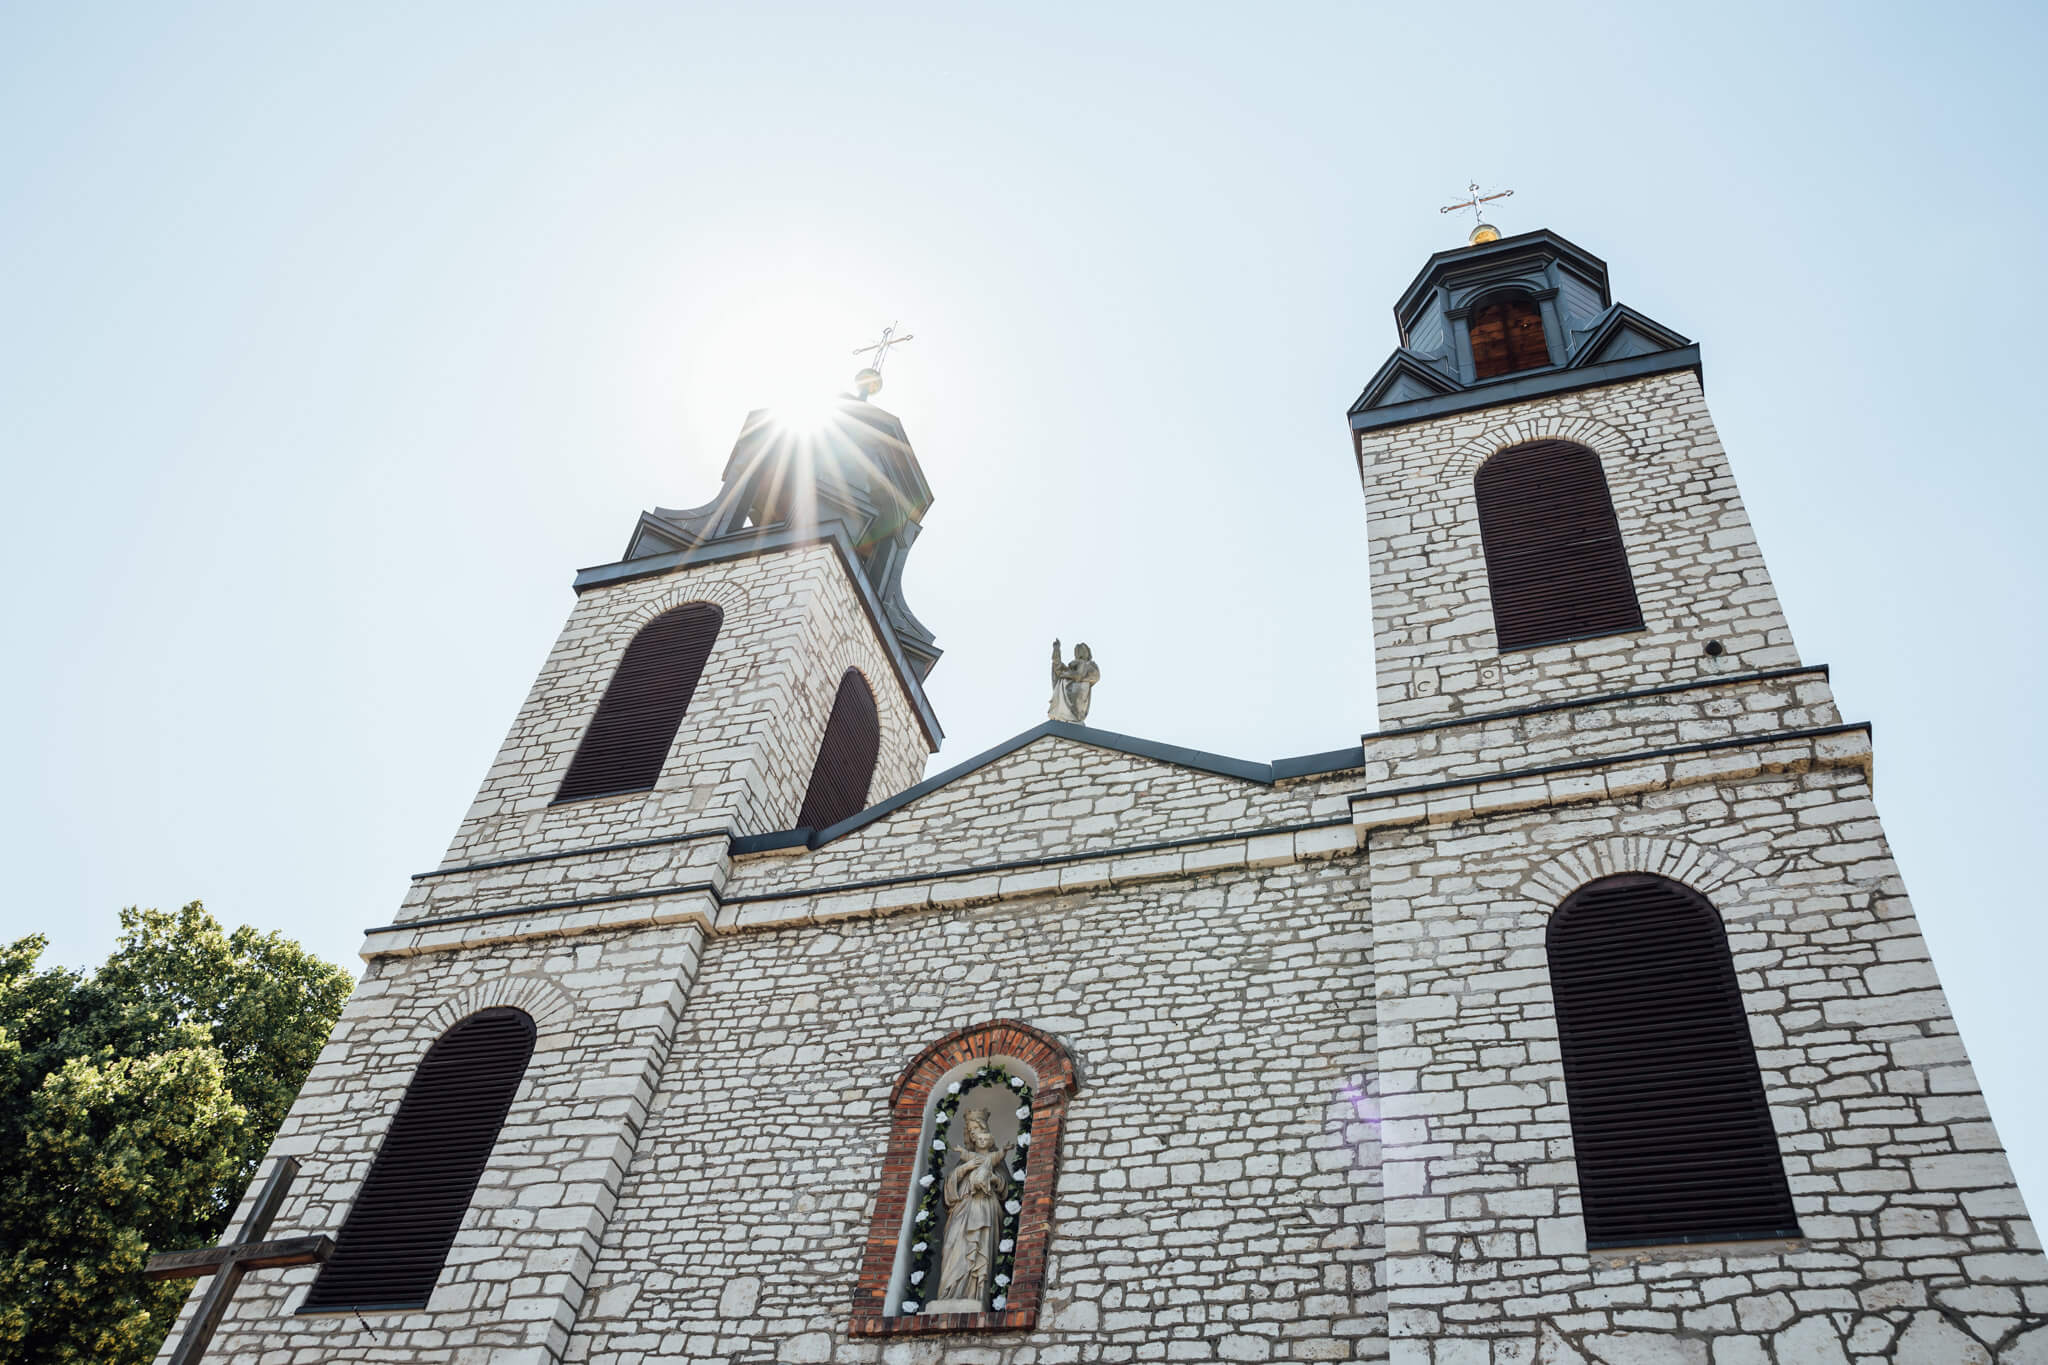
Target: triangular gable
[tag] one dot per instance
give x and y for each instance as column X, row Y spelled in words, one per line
column 1405, row 376
column 1622, row 332
column 1235, row 770
column 652, row 537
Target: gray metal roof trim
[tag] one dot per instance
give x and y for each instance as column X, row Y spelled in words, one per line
column 1219, row 765
column 1618, row 316
column 1542, row 385
column 1471, row 256
column 833, row 533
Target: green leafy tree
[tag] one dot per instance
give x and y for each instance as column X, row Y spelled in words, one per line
column 137, row 1102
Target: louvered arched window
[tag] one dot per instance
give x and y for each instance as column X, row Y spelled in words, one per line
column 1669, row 1121
column 397, row 1234
column 628, row 738
column 1554, row 559
column 846, row 760
column 1507, row 336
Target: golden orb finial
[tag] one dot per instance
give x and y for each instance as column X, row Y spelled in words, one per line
column 1482, row 231
column 869, row 381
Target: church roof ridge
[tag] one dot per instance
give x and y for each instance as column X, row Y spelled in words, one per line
column 1219, row 765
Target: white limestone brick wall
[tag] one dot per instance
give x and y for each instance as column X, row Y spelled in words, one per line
column 1917, row 1247
column 1055, row 795
column 1215, row 1189
column 743, row 755
column 605, row 1009
column 1699, row 575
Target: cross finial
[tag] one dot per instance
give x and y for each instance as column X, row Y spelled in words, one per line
column 869, row 380
column 1482, row 231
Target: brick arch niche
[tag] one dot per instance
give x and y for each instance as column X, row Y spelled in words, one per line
column 1024, row 1050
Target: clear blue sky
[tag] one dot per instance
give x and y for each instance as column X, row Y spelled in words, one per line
column 333, row 339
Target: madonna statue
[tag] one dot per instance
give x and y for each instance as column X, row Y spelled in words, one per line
column 974, row 1217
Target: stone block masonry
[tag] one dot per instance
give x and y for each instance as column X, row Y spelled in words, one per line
column 742, row 758
column 1699, row 575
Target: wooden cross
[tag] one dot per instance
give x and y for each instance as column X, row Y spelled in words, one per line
column 229, row 1261
column 1475, row 201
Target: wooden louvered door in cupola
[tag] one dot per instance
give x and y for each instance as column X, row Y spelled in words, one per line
column 1670, row 1125
column 846, row 760
column 1555, row 564
column 397, row 1235
column 644, row 704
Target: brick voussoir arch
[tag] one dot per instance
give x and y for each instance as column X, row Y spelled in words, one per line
column 1049, row 1059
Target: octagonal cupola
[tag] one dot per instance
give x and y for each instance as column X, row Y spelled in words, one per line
column 1508, row 319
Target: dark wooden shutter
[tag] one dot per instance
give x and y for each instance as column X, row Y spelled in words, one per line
column 846, row 760
column 391, row 1246
column 1673, row 1135
column 628, row 738
column 1507, row 336
column 1554, row 558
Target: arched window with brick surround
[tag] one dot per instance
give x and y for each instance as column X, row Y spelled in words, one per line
column 987, row 1099
column 1555, row 564
column 1670, row 1126
column 846, row 758
column 398, row 1233
column 643, row 705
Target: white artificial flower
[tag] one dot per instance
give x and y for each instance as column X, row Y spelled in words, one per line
column 1017, row 1175
column 953, row 1089
column 910, row 1305
column 1006, row 1245
column 1023, row 1139
column 924, row 1215
column 999, row 1301
column 1002, row 1279
column 916, row 1276
column 1024, row 1112
column 925, row 1180
column 1017, row 1082
column 919, row 1248
column 938, row 1144
column 1013, row 1206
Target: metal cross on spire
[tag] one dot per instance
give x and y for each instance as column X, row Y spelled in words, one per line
column 869, row 380
column 228, row 1261
column 1482, row 231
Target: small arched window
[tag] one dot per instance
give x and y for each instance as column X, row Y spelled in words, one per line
column 846, row 760
column 958, row 1238
column 1554, row 559
column 1507, row 336
column 396, row 1237
column 1669, row 1122
column 643, row 706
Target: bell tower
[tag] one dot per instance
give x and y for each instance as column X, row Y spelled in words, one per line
column 1551, row 512
column 794, row 571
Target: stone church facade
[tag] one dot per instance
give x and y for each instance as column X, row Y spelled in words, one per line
column 1303, row 1064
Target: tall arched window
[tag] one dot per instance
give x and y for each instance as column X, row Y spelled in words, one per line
column 1507, row 335
column 1669, row 1121
column 958, row 1238
column 643, row 706
column 846, row 760
column 397, row 1234
column 1554, row 558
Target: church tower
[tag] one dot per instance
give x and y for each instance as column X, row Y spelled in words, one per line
column 1665, row 1071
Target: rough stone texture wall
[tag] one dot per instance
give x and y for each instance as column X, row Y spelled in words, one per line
column 1916, row 1249
column 1215, row 1178
column 1054, row 796
column 743, row 755
column 605, row 1008
column 1698, row 573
